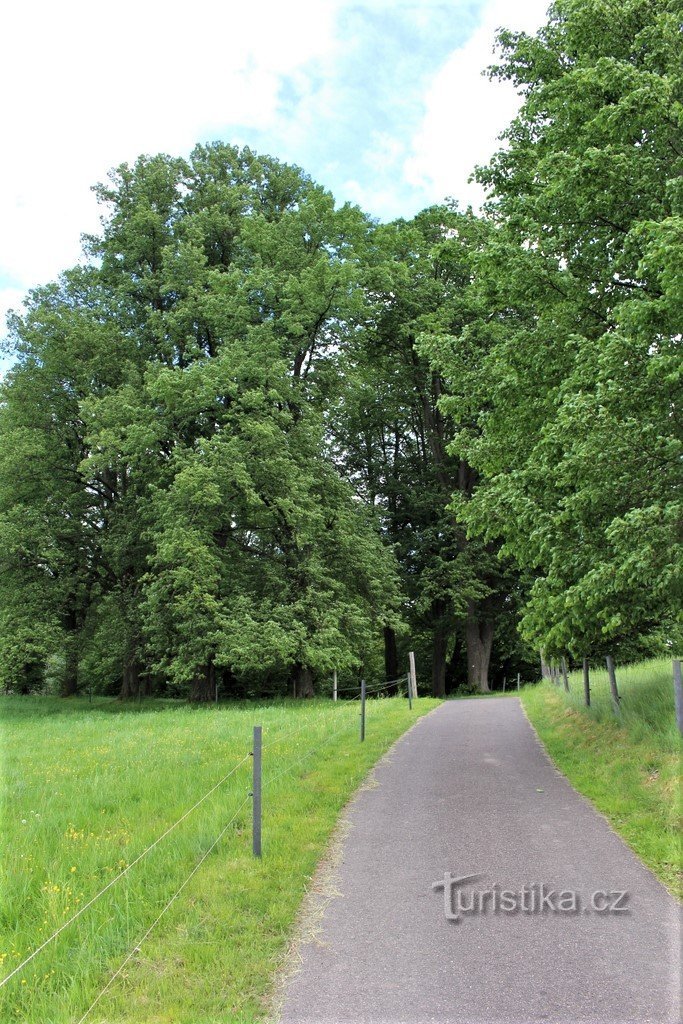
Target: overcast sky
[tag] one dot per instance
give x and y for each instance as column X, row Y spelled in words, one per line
column 381, row 101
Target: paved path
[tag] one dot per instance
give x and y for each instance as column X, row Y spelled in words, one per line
column 469, row 790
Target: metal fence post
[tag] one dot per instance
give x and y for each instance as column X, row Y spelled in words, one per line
column 678, row 694
column 256, row 792
column 362, row 710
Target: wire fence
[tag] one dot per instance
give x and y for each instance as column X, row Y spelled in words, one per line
column 121, row 873
column 168, row 905
column 376, row 687
column 360, row 694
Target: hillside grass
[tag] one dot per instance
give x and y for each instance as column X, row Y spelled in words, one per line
column 85, row 788
column 627, row 765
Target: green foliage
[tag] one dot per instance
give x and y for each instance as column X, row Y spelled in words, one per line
column 179, row 387
column 264, row 431
column 392, row 438
column 576, row 306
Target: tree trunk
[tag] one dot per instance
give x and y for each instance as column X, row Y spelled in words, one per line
column 144, row 684
column 302, row 682
column 390, row 654
column 456, row 667
column 439, row 646
column 479, row 636
column 565, row 675
column 204, row 686
column 32, row 677
column 546, row 672
column 70, row 680
column 613, row 683
column 130, row 680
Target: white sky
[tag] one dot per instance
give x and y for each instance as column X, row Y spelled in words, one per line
column 87, row 85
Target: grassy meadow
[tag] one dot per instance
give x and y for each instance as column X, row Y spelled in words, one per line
column 86, row 788
column 627, row 765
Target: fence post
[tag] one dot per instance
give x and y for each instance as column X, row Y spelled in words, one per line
column 413, row 676
column 518, row 682
column 504, row 682
column 410, row 693
column 565, row 677
column 256, row 792
column 586, row 683
column 334, row 685
column 362, row 710
column 609, row 661
column 678, row 694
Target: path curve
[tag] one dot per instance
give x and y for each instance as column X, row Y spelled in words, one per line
column 469, row 790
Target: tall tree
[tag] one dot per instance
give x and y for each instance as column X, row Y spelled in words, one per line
column 577, row 441
column 192, row 362
column 395, row 442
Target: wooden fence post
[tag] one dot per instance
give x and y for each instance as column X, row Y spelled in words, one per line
column 565, row 677
column 334, row 685
column 413, row 676
column 586, row 683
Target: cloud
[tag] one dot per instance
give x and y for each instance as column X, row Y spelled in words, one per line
column 359, row 114
column 381, row 100
column 465, row 112
column 94, row 84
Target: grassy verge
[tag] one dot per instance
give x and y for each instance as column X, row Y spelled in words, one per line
column 629, row 768
column 87, row 788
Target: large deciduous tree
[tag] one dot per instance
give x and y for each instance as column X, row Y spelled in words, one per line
column 178, row 387
column 577, row 436
column 396, row 444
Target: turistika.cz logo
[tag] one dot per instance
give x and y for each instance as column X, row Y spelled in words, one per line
column 461, row 900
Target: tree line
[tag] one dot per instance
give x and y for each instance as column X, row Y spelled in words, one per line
column 254, row 437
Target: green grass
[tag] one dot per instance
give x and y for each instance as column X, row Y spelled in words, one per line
column 627, row 765
column 87, row 787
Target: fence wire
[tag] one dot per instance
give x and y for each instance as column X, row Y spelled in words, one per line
column 169, row 904
column 375, row 688
column 120, row 875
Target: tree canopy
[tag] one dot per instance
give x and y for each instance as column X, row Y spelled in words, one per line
column 256, row 437
column 578, row 301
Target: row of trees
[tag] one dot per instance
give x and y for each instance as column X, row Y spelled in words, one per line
column 255, row 437
column 575, row 308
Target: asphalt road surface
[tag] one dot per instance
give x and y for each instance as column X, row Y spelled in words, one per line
column 470, row 791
